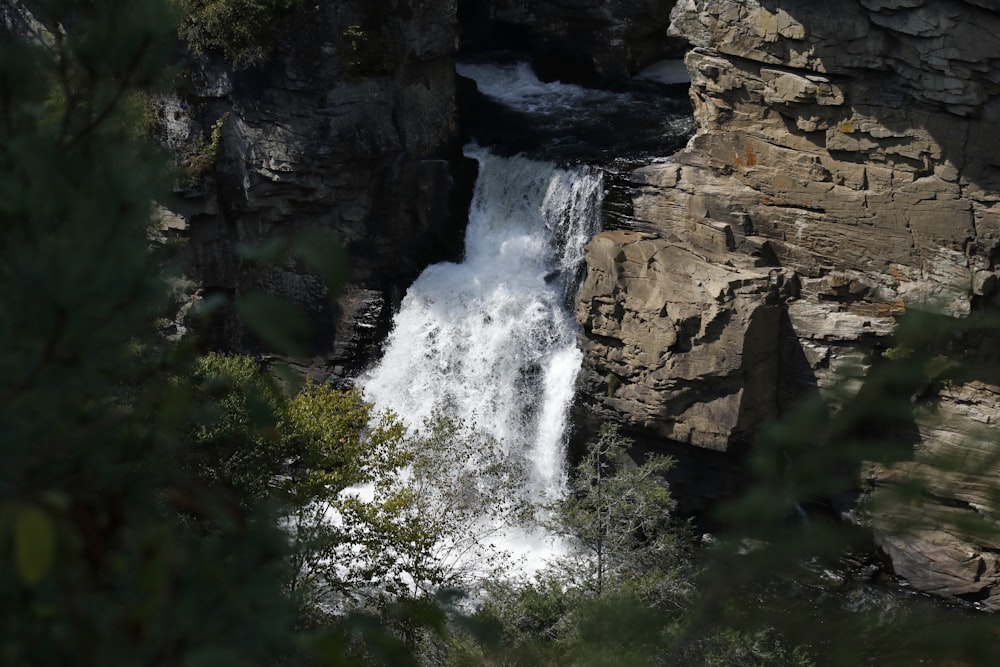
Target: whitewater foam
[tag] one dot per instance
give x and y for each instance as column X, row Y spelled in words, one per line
column 491, row 340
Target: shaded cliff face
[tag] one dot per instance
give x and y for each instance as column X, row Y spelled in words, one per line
column 350, row 129
column 843, row 172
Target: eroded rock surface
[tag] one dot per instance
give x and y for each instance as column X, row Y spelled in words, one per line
column 683, row 338
column 844, row 171
column 350, row 130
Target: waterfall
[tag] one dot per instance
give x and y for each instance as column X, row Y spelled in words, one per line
column 492, row 340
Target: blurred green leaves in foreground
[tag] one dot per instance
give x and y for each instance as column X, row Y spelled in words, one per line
column 163, row 508
column 857, row 461
column 113, row 553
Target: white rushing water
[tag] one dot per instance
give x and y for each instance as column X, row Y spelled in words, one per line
column 570, row 123
column 517, row 86
column 492, row 339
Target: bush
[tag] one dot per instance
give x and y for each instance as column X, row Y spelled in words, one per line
column 235, row 442
column 243, row 30
column 201, row 155
column 620, row 520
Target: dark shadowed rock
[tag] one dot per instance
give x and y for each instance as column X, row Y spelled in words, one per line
column 351, row 130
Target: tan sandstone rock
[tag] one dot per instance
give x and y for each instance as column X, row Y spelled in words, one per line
column 843, row 172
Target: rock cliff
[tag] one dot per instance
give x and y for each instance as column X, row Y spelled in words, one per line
column 844, row 171
column 349, row 129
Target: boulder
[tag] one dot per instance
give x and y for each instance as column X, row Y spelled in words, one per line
column 677, row 341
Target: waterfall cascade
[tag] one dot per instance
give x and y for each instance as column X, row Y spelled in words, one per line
column 491, row 339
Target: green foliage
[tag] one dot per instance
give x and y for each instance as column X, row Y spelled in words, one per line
column 372, row 513
column 200, row 157
column 236, row 444
column 417, row 518
column 74, row 193
column 334, row 440
column 606, row 600
column 620, row 518
column 623, row 594
column 375, row 513
column 546, row 622
column 243, row 30
column 78, row 282
column 99, row 566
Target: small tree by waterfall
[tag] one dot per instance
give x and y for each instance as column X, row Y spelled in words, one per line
column 374, row 512
column 619, row 520
column 421, row 513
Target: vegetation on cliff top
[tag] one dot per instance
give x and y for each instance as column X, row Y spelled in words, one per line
column 245, row 32
column 242, row 30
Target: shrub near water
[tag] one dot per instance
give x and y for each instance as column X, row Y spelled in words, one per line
column 624, row 593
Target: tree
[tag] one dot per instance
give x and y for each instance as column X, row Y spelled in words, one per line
column 621, row 583
column 414, row 516
column 243, row 30
column 620, row 522
column 624, row 594
column 336, row 442
column 99, row 565
column 236, row 444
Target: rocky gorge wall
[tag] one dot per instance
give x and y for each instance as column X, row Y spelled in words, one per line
column 350, row 129
column 845, row 169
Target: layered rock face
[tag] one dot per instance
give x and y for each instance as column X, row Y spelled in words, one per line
column 844, row 171
column 594, row 42
column 350, row 129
